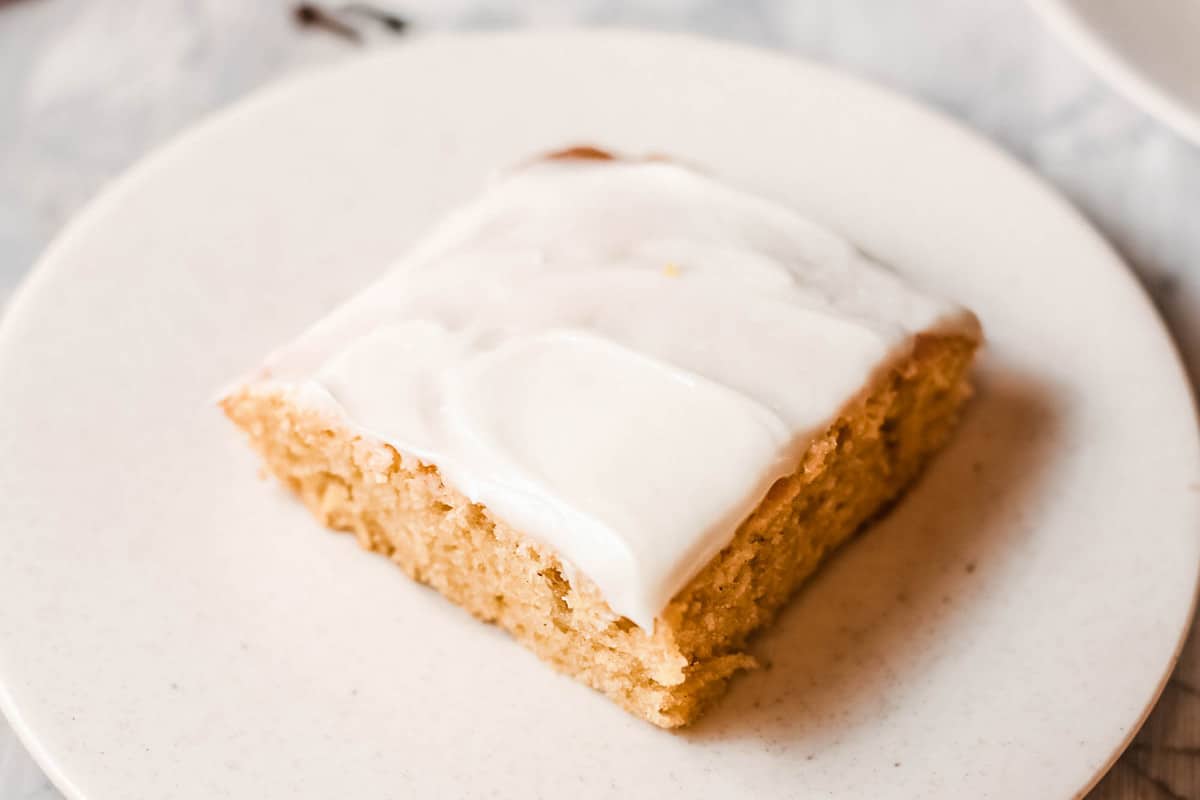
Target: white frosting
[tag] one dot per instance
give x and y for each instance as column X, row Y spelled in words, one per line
column 615, row 358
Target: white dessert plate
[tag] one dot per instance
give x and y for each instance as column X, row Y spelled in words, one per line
column 171, row 627
column 1148, row 50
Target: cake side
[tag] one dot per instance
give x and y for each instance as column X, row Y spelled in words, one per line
column 402, row 508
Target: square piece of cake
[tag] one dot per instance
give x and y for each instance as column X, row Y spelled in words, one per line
column 621, row 410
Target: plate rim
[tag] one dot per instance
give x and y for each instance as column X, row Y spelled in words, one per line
column 48, row 264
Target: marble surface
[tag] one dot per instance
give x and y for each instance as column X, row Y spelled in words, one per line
column 88, row 86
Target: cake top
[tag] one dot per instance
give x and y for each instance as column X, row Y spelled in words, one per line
column 617, row 358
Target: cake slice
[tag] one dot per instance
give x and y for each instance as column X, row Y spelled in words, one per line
column 620, row 409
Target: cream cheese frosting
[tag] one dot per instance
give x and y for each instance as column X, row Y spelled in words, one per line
column 616, row 358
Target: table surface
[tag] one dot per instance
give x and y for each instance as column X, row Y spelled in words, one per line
column 88, row 86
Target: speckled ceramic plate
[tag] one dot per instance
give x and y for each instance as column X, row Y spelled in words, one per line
column 170, row 627
column 1148, row 50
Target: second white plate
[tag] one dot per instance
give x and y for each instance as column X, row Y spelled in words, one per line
column 172, row 628
column 1148, row 50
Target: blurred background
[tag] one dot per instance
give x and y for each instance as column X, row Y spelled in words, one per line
column 88, row 86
